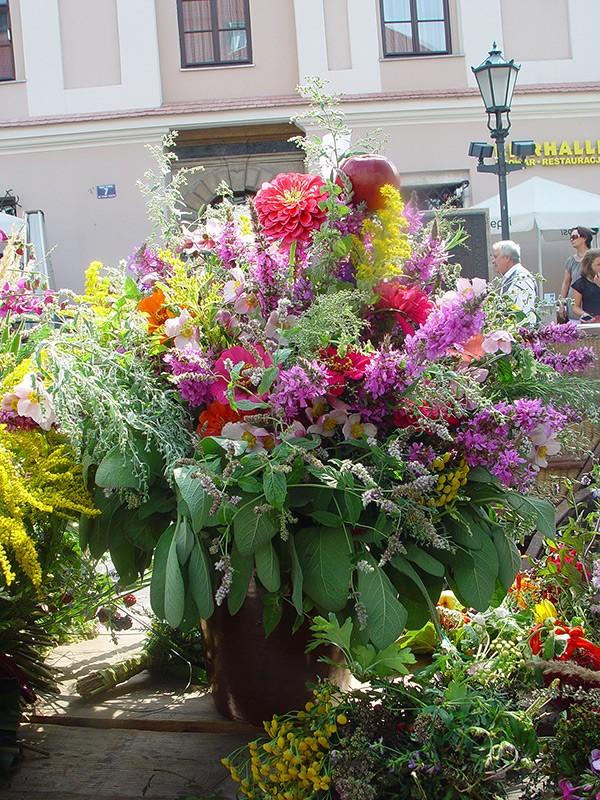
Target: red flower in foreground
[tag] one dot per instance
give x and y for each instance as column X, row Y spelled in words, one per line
column 350, row 366
column 288, row 206
column 212, row 419
column 404, row 417
column 577, row 647
column 411, row 305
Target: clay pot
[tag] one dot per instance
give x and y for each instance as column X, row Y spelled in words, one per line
column 254, row 677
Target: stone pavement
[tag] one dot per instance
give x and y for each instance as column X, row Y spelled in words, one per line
column 151, row 738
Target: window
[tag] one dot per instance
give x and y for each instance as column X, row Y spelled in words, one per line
column 415, row 27
column 7, row 61
column 214, row 32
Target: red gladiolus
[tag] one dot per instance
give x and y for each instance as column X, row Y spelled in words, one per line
column 410, row 304
column 288, row 207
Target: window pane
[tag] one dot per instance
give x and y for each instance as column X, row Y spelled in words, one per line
column 231, row 14
column 396, row 10
column 7, row 70
column 398, row 38
column 432, row 37
column 233, row 46
column 196, row 15
column 430, row 9
column 199, row 48
column 3, row 23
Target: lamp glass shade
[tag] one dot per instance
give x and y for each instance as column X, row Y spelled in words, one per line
column 496, row 79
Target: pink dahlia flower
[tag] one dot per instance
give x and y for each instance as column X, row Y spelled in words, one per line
column 288, row 206
column 254, row 364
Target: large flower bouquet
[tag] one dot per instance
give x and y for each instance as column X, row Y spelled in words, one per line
column 304, row 390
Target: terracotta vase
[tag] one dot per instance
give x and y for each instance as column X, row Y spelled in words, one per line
column 254, row 677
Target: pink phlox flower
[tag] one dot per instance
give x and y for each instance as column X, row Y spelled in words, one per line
column 30, row 399
column 327, row 424
column 545, row 444
column 355, row 429
column 498, row 340
column 257, row 439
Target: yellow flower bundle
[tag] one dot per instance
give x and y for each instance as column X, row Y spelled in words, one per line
column 39, row 477
column 389, row 246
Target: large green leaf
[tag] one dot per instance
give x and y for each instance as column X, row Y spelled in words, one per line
column 200, row 580
column 159, row 572
column 116, row 472
column 325, row 559
column 184, row 540
column 424, row 560
column 386, row 614
column 541, row 510
column 242, row 573
column 196, row 500
column 267, row 567
column 95, row 531
column 252, row 530
column 509, row 558
column 404, row 566
column 473, row 575
column 463, row 531
column 122, row 554
column 297, row 578
column 275, row 488
column 354, row 506
column 174, row 587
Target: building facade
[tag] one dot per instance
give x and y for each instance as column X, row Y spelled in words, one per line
column 85, row 85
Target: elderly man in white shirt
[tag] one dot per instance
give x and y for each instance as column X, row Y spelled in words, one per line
column 517, row 282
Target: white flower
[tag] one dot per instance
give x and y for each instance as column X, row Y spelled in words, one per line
column 355, row 429
column 544, row 444
column 30, row 399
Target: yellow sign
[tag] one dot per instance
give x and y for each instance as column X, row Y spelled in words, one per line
column 565, row 153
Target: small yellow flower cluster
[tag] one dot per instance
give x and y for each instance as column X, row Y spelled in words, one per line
column 292, row 764
column 450, row 480
column 388, row 243
column 38, row 478
column 15, row 376
column 96, row 289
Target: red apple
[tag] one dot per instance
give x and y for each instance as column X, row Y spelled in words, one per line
column 367, row 174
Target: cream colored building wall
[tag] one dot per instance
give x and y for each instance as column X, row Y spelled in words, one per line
column 274, row 68
column 80, row 228
column 84, row 67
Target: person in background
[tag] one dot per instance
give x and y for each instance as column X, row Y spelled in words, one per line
column 581, row 239
column 517, row 282
column 586, row 289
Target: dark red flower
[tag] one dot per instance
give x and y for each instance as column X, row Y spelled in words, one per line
column 404, row 417
column 410, row 304
column 288, row 206
column 350, row 366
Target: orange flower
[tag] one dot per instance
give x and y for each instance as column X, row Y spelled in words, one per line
column 472, row 349
column 212, row 419
column 154, row 307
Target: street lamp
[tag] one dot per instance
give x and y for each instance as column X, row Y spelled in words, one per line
column 496, row 78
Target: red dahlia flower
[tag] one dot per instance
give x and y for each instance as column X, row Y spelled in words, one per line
column 215, row 416
column 411, row 305
column 350, row 366
column 288, row 206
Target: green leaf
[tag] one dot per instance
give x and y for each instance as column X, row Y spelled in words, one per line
column 330, row 630
column 326, row 518
column 174, row 587
column 463, row 531
column 509, row 558
column 249, row 484
column 240, row 581
column 267, row 567
column 116, row 472
column 403, row 565
column 159, row 572
column 281, row 355
column 200, row 580
column 122, row 554
column 272, row 613
column 325, row 558
column 197, row 501
column 252, row 530
column 482, row 475
column 250, row 405
column 267, row 379
column 424, row 560
column 473, row 576
column 541, row 510
column 386, row 614
column 297, row 578
column 275, row 488
column 184, row 543
column 354, row 506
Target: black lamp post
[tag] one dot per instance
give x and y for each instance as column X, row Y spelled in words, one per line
column 496, row 78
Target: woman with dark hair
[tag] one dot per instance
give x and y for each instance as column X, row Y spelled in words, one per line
column 586, row 289
column 581, row 239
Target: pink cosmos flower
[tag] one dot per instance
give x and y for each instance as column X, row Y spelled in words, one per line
column 257, row 439
column 245, row 386
column 355, row 429
column 30, row 399
column 498, row 340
